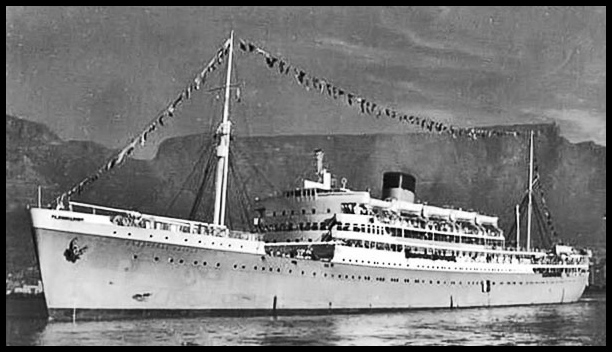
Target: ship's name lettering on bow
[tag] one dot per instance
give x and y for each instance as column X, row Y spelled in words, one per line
column 66, row 218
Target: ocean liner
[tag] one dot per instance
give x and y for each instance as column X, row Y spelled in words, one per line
column 318, row 248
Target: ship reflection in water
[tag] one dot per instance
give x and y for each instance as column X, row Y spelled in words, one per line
column 581, row 323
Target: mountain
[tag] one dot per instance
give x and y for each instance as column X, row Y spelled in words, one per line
column 487, row 175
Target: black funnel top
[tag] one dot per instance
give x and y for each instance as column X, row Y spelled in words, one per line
column 399, row 180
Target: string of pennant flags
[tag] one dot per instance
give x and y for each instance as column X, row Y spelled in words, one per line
column 153, row 125
column 547, row 214
column 365, row 106
column 304, row 79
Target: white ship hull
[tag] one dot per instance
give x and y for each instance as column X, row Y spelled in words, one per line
column 135, row 271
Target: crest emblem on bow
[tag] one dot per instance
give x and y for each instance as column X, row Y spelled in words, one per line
column 74, row 252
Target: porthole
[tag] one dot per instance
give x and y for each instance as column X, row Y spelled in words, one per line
column 170, row 260
column 181, row 261
column 156, row 259
column 129, row 234
column 195, row 262
column 290, row 271
column 243, row 267
column 263, row 268
column 150, row 236
column 204, row 263
column 271, row 269
column 166, row 237
column 185, row 240
column 114, row 232
column 135, row 256
column 278, row 270
column 235, row 266
column 314, row 274
column 255, row 267
column 218, row 265
column 199, row 241
column 302, row 272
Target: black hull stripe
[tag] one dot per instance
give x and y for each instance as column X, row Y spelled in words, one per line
column 67, row 314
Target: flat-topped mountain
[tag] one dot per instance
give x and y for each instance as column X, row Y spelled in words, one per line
column 487, row 175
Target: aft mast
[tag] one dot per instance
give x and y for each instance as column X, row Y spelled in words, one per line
column 223, row 147
column 530, row 195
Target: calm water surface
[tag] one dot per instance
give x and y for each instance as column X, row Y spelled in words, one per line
column 581, row 323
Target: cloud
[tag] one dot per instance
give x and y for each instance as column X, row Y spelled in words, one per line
column 369, row 53
column 580, row 125
column 450, row 44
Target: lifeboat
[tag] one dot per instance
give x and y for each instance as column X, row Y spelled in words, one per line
column 486, row 220
column 411, row 208
column 435, row 212
column 460, row 215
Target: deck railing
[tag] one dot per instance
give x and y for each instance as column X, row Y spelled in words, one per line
column 123, row 217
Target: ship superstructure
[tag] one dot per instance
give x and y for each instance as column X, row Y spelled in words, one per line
column 322, row 247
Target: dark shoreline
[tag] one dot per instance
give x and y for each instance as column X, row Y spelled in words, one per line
column 26, row 306
column 595, row 289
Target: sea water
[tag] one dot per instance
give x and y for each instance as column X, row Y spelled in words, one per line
column 580, row 323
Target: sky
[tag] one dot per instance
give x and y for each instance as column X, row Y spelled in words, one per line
column 101, row 73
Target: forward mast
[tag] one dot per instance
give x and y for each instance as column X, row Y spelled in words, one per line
column 223, row 147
